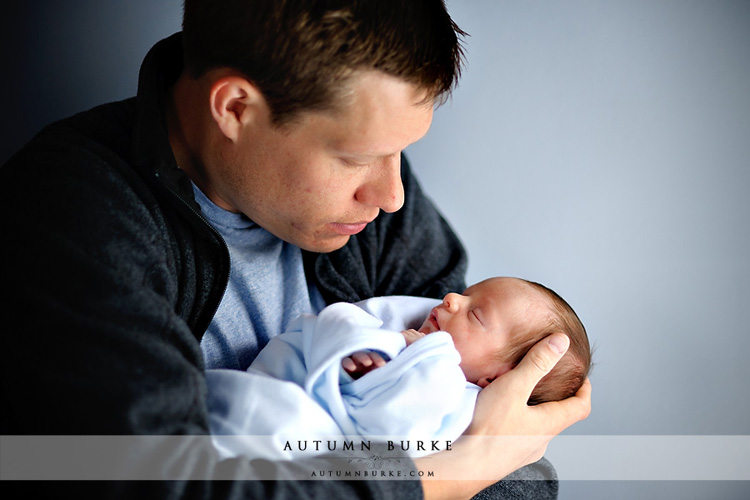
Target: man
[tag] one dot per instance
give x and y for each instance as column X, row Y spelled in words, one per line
column 155, row 237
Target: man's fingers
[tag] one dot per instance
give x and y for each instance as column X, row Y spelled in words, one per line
column 568, row 411
column 540, row 360
column 583, row 399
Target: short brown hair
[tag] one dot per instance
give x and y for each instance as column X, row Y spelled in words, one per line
column 571, row 371
column 301, row 53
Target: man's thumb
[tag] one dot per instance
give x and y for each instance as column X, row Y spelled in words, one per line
column 541, row 358
column 559, row 343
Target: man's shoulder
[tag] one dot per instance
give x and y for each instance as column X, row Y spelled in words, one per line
column 79, row 173
column 97, row 138
column 104, row 129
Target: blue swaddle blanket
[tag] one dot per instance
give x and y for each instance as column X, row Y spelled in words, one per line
column 295, row 390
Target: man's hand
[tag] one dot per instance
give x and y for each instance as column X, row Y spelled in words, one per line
column 362, row 362
column 505, row 433
column 501, row 408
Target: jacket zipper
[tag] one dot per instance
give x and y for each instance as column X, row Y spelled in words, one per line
column 213, row 231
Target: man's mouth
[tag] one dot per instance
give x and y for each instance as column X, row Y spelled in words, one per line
column 348, row 229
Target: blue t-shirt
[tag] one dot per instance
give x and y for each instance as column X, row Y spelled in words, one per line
column 267, row 289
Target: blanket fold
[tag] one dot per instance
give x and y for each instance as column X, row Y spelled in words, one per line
column 293, row 391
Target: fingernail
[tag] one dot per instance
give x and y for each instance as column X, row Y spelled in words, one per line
column 559, row 343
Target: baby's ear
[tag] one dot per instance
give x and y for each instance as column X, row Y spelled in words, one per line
column 484, row 382
column 502, row 369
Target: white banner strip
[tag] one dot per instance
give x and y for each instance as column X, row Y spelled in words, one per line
column 651, row 458
column 591, row 458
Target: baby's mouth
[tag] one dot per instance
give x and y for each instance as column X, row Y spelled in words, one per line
column 431, row 324
column 433, row 319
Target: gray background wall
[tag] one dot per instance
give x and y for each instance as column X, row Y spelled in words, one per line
column 599, row 147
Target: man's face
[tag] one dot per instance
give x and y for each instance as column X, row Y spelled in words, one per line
column 482, row 320
column 322, row 178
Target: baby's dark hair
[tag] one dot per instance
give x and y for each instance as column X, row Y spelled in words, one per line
column 571, row 371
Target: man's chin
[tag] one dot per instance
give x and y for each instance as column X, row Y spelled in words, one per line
column 325, row 245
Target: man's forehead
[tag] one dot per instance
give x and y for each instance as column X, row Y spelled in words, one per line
column 383, row 116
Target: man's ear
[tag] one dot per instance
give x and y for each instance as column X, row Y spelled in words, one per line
column 235, row 102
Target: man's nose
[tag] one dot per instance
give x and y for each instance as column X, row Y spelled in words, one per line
column 383, row 188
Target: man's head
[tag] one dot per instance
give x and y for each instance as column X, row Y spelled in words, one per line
column 495, row 322
column 295, row 112
column 301, row 54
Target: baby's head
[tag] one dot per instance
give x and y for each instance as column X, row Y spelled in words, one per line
column 495, row 322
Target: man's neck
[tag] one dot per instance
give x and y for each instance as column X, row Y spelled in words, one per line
column 184, row 125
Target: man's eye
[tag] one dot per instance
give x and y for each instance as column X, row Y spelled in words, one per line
column 353, row 163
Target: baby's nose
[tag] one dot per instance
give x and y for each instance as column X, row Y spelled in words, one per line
column 451, row 301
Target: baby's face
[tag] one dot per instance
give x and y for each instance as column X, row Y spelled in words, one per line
column 481, row 321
